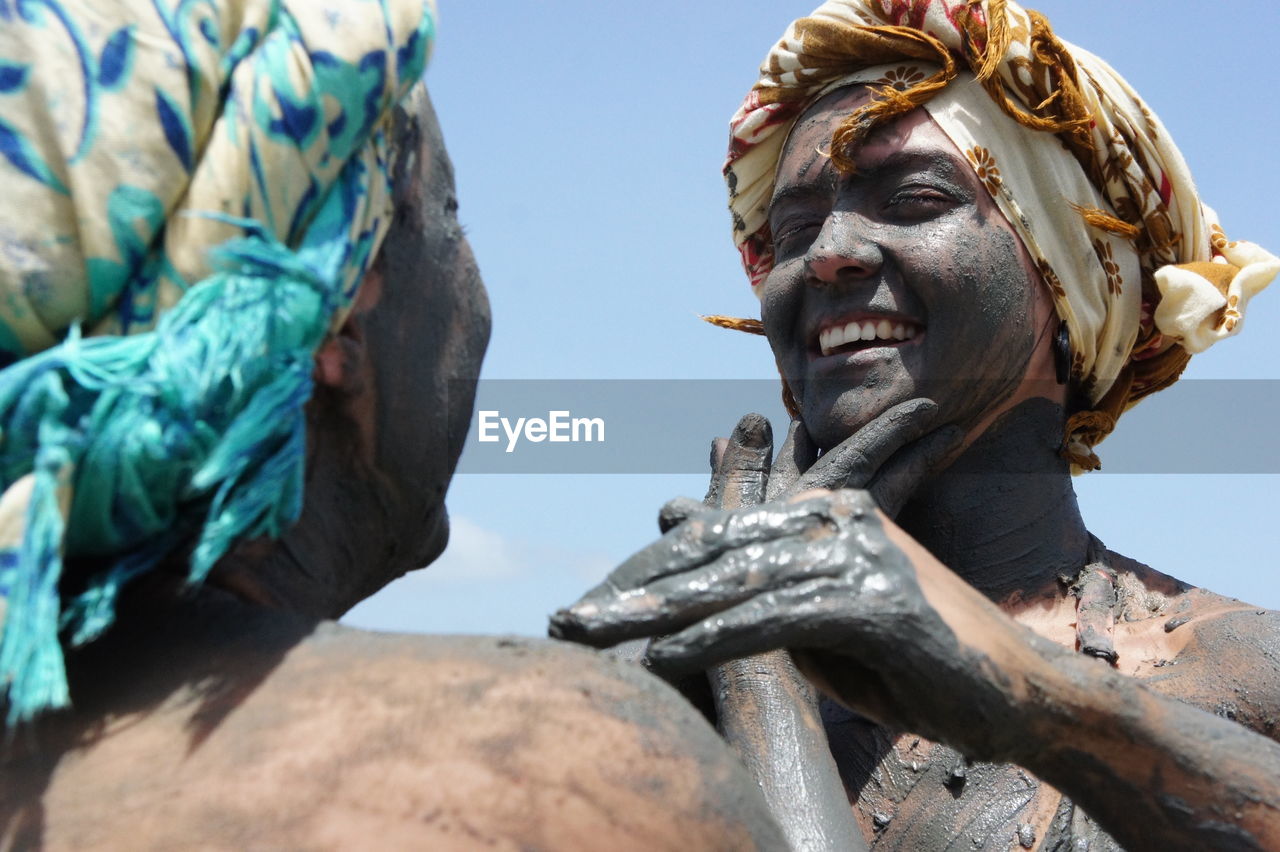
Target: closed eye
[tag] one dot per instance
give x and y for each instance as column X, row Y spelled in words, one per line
column 794, row 236
column 918, row 202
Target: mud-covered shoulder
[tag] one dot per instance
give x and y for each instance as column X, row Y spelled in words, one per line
column 1215, row 652
column 1235, row 655
column 322, row 736
column 532, row 742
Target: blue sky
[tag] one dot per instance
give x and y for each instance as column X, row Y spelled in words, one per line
column 588, row 139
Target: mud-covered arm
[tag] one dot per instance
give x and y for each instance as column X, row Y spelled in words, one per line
column 764, row 707
column 881, row 625
column 1155, row 772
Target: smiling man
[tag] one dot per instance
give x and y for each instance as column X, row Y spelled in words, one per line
column 975, row 247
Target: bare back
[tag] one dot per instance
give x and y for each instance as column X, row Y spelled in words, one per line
column 348, row 738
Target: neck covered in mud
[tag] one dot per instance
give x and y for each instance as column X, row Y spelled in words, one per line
column 1004, row 515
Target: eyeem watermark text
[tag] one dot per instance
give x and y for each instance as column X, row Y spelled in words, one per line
column 560, row 427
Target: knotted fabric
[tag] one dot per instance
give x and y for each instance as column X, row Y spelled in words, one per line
column 193, row 193
column 1138, row 267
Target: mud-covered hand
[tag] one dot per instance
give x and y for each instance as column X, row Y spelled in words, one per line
column 817, row 574
column 888, row 457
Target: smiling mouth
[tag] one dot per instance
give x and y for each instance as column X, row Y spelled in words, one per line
column 865, row 333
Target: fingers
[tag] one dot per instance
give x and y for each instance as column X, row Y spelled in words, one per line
column 676, row 511
column 856, row 460
column 713, row 532
column 899, row 478
column 796, row 616
column 797, row 455
column 707, row 536
column 714, row 489
column 816, row 592
column 739, row 469
column 674, row 602
column 740, row 473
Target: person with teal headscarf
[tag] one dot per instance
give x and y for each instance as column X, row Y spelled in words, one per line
column 241, row 330
column 176, row 246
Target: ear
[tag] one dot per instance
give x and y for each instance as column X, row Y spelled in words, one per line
column 341, row 360
column 336, row 360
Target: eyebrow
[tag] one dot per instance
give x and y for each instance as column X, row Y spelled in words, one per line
column 795, row 192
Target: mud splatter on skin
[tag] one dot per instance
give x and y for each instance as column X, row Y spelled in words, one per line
column 1232, row 662
column 764, row 709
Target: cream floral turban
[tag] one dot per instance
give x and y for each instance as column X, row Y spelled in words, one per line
column 192, row 193
column 1139, row 268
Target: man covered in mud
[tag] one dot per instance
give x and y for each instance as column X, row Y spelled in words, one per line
column 975, row 248
column 242, row 202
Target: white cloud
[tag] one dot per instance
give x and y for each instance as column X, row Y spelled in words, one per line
column 485, row 582
column 475, row 553
column 591, row 568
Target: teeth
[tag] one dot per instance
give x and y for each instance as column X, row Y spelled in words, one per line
column 833, row 338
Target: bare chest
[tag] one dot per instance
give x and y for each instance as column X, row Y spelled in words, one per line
column 912, row 794
column 909, row 793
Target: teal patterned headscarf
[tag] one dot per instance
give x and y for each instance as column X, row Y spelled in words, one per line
column 192, row 192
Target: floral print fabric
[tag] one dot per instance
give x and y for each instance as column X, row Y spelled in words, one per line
column 127, row 126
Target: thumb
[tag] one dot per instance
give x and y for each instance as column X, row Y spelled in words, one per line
column 742, row 470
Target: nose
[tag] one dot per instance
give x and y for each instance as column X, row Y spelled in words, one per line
column 843, row 250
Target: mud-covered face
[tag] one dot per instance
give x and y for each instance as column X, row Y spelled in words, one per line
column 427, row 337
column 899, row 281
